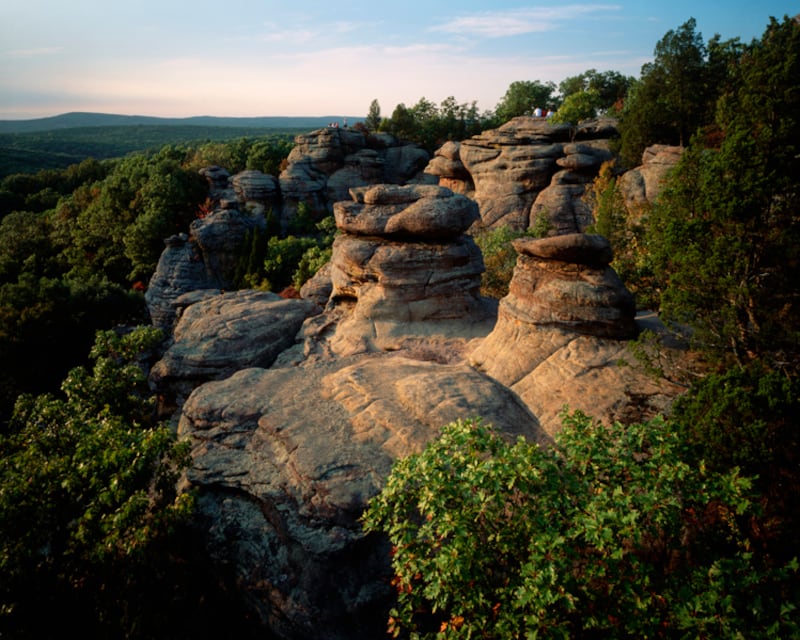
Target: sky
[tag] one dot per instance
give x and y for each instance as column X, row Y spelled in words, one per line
column 177, row 58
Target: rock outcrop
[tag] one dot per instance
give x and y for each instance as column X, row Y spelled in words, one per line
column 296, row 413
column 325, row 164
column 561, row 335
column 642, row 185
column 528, row 172
column 285, row 460
column 403, row 267
column 286, row 457
column 205, row 258
column 224, row 333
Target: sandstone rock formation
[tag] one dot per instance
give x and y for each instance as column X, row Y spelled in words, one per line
column 325, row 164
column 295, row 414
column 560, row 337
column 403, row 266
column 221, row 334
column 528, row 172
column 285, row 460
column 206, row 258
column 250, row 190
column 642, row 184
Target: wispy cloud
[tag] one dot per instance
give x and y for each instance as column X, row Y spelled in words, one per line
column 301, row 34
column 498, row 24
column 32, row 53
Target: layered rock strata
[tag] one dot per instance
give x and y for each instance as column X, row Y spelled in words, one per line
column 528, row 172
column 643, row 184
column 561, row 337
column 205, row 258
column 285, row 460
column 223, row 333
column 403, row 266
column 325, row 164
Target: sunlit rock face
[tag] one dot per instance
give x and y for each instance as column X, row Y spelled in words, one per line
column 296, row 410
column 528, row 172
column 404, row 266
column 325, row 164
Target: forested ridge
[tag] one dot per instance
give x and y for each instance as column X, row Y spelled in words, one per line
column 686, row 526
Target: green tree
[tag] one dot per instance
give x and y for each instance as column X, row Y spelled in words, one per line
column 523, row 96
column 579, row 106
column 725, row 236
column 673, row 97
column 499, row 257
column 610, row 533
column 624, row 225
column 87, row 497
column 373, row 120
column 609, row 87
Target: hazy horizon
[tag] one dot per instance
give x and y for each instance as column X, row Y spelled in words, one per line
column 308, row 59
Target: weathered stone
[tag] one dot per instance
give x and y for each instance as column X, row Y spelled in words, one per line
column 324, row 164
column 403, row 266
column 285, row 458
column 222, row 334
column 643, row 184
column 562, row 288
column 318, row 288
column 424, row 211
column 588, row 249
column 256, row 192
column 450, row 172
column 284, row 461
column 566, row 282
column 560, row 208
column 180, row 269
column 528, row 169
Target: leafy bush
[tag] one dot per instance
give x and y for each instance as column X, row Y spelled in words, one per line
column 499, row 258
column 748, row 418
column 610, row 533
column 87, row 496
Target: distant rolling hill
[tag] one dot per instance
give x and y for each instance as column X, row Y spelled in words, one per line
column 82, row 119
column 27, row 146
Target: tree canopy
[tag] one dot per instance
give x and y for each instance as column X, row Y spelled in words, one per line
column 523, row 96
column 677, row 92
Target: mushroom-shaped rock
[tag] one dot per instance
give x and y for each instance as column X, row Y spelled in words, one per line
column 404, row 265
column 562, row 288
column 424, row 211
column 566, row 282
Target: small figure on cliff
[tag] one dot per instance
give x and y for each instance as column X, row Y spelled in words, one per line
column 537, row 112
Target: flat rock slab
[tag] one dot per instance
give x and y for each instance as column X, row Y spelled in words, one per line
column 285, row 459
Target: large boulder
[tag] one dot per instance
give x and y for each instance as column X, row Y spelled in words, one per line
column 325, row 164
column 403, row 266
column 224, row 333
column 285, row 460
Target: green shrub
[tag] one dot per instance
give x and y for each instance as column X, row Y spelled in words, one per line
column 610, row 533
column 88, row 499
column 499, row 258
column 748, row 418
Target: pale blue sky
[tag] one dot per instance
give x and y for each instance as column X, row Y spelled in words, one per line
column 298, row 57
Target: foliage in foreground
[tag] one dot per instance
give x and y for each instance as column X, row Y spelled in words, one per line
column 87, row 496
column 610, row 533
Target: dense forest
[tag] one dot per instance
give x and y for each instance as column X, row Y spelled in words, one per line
column 687, row 526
